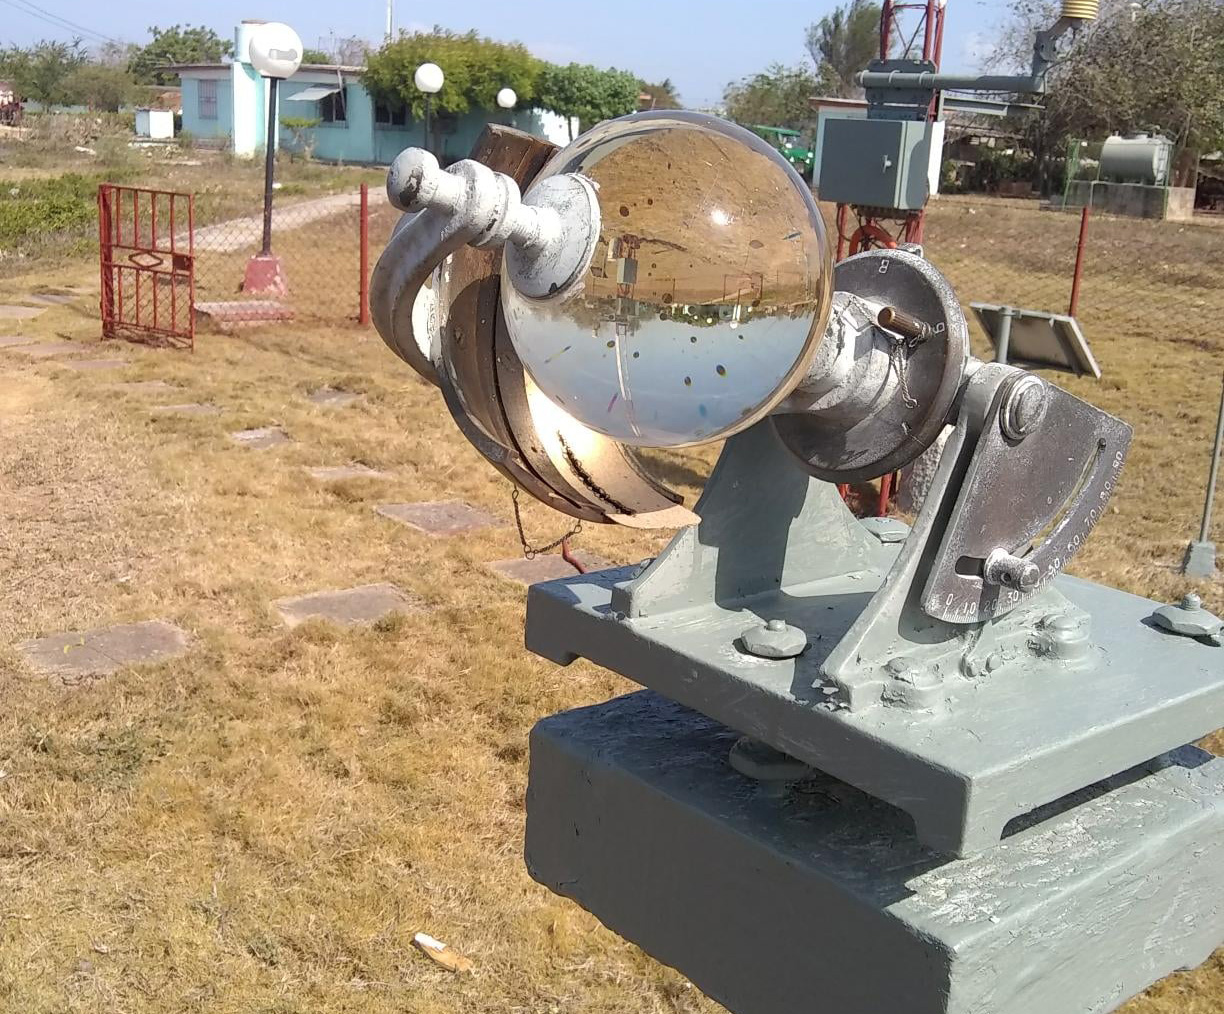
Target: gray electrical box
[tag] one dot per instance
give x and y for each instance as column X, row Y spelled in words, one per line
column 877, row 163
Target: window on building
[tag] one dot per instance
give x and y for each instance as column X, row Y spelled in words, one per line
column 208, row 99
column 389, row 115
column 332, row 108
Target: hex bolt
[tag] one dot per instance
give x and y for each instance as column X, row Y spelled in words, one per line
column 1024, row 406
column 1190, row 619
column 1002, row 568
column 774, row 639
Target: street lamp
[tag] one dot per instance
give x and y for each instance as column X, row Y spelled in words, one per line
column 276, row 53
column 428, row 79
column 506, row 98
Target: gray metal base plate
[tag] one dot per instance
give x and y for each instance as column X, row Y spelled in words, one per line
column 823, row 901
column 1008, row 743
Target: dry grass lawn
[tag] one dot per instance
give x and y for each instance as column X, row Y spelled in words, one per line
column 262, row 825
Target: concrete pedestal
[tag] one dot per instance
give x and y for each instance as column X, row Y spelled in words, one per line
column 824, row 900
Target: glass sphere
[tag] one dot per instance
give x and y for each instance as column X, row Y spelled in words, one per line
column 707, row 294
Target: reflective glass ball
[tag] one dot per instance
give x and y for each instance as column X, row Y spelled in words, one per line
column 707, row 294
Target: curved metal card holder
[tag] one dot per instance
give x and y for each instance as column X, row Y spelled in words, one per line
column 453, row 335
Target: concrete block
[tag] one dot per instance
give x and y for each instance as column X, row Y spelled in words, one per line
column 144, row 386
column 262, row 438
column 440, row 518
column 45, row 350
column 91, row 365
column 333, row 398
column 103, row 651
column 189, row 408
column 341, row 473
column 347, row 607
column 822, row 901
column 545, row 567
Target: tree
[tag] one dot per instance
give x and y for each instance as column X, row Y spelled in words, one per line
column 588, row 93
column 662, row 95
column 177, row 44
column 476, row 69
column 777, row 97
column 1156, row 66
column 842, row 43
column 99, row 87
column 315, row 56
column 39, row 72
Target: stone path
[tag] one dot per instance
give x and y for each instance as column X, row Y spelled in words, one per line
column 547, row 567
column 144, row 386
column 333, row 397
column 9, row 311
column 440, row 518
column 193, row 408
column 10, row 341
column 347, row 607
column 44, row 350
column 106, row 650
column 262, row 438
column 240, row 233
column 89, row 365
column 54, row 298
column 339, row 473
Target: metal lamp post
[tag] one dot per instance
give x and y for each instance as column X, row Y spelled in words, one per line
column 276, row 53
column 428, row 79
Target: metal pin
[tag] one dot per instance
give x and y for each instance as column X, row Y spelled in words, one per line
column 907, row 326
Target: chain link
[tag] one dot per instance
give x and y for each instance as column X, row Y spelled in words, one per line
column 530, row 552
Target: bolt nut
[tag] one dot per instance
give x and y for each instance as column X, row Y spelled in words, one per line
column 1002, row 568
column 775, row 639
column 918, row 688
column 1189, row 619
column 1024, row 406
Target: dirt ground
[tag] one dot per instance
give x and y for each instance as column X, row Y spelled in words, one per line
column 263, row 824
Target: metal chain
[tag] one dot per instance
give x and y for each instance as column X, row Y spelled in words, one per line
column 899, row 356
column 530, row 551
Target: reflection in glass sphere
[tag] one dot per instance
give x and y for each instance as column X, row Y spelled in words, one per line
column 708, row 292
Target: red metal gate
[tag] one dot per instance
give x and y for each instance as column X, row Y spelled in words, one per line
column 147, row 248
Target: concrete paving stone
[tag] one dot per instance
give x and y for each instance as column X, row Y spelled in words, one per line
column 104, row 651
column 190, row 408
column 546, row 567
column 338, row 473
column 347, row 607
column 262, row 438
column 53, row 298
column 44, row 350
column 333, row 397
column 10, row 341
column 10, row 312
column 144, row 386
column 440, row 517
column 90, row 365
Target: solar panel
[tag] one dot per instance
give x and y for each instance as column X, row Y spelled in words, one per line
column 1040, row 340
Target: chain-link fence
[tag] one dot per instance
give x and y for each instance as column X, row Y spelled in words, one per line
column 1151, row 307
column 317, row 271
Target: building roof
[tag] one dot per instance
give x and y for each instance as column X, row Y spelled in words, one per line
column 178, row 68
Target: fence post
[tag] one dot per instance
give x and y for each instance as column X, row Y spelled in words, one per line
column 363, row 284
column 1079, row 260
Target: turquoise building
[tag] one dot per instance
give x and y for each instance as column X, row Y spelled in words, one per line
column 227, row 104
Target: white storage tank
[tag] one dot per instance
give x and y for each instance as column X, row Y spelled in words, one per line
column 1137, row 158
column 155, row 124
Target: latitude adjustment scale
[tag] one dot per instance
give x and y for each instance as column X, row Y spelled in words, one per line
column 876, row 767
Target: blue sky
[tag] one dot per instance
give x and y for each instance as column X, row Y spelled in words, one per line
column 700, row 46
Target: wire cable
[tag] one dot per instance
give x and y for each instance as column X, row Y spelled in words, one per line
column 33, row 10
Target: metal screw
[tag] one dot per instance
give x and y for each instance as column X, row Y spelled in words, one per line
column 1191, row 600
column 1024, row 406
column 774, row 639
column 1010, row 571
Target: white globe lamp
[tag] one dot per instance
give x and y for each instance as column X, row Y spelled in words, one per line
column 275, row 50
column 506, row 98
column 428, row 79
